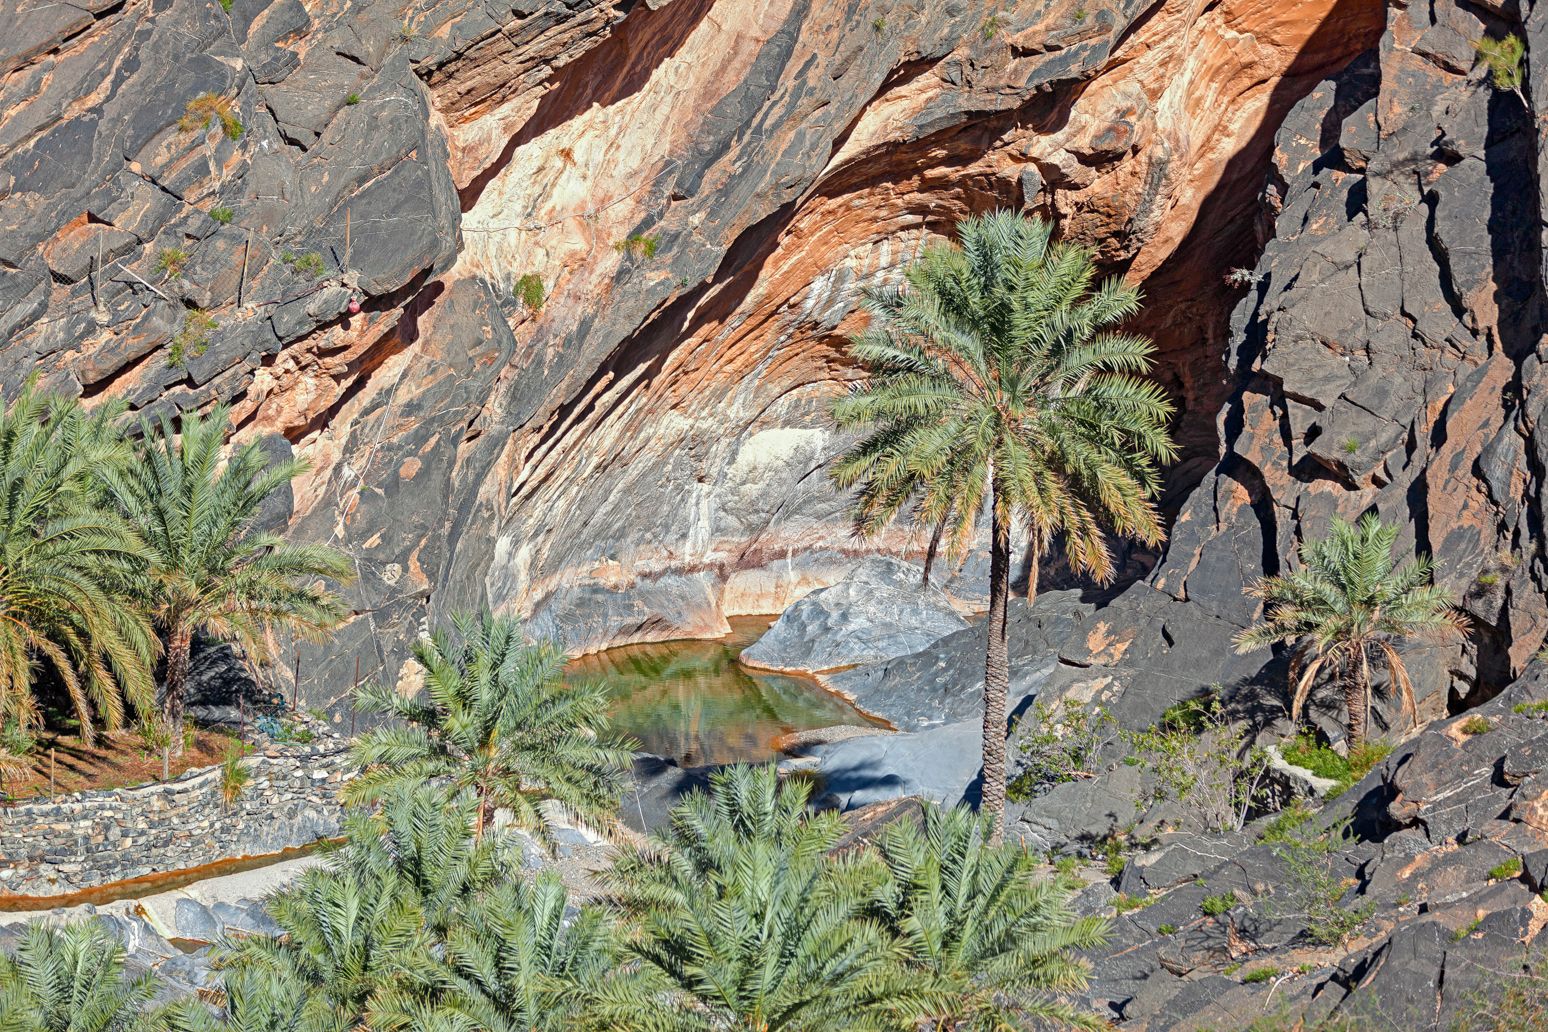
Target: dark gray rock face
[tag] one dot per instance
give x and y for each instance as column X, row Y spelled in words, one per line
column 878, row 612
column 940, row 764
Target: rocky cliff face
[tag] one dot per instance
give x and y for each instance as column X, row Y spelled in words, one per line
column 193, row 197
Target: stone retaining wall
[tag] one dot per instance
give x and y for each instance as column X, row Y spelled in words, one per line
column 88, row 839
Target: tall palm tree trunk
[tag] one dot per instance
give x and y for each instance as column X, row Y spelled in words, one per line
column 930, row 553
column 179, row 648
column 1356, row 698
column 996, row 674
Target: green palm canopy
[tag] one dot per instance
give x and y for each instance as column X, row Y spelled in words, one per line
column 71, row 979
column 211, row 571
column 999, row 381
column 496, row 718
column 66, row 561
column 1346, row 610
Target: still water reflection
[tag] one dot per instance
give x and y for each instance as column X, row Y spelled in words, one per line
column 692, row 701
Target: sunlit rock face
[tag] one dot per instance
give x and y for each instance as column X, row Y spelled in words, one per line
column 701, row 188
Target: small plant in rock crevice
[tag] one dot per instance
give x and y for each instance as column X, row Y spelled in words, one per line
column 1505, row 59
column 1124, row 903
column 309, row 264
column 1262, row 974
column 637, row 246
column 1476, row 726
column 1214, row 906
column 529, row 290
column 222, row 214
column 992, row 26
column 1531, row 709
column 192, row 339
column 171, row 261
column 1243, row 278
column 1058, row 745
column 879, row 25
column 208, row 108
column 1351, row 446
column 234, row 778
column 352, row 99
column 1506, row 869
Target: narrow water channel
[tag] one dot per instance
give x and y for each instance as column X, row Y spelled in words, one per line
column 692, row 701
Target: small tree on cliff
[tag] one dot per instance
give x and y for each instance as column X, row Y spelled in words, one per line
column 1346, row 609
column 496, row 719
column 210, row 571
column 996, row 378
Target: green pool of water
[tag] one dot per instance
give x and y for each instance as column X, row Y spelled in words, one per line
column 692, row 701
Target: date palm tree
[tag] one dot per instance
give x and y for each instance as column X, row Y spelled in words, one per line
column 66, row 560
column 1348, row 608
column 211, row 572
column 514, row 962
column 496, row 718
column 997, row 381
column 980, row 921
column 747, row 922
column 71, row 979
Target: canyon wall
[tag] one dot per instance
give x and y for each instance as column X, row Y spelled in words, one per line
column 193, row 197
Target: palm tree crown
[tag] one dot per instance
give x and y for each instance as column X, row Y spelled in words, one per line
column 70, row 979
column 748, row 923
column 997, row 378
column 496, row 718
column 981, row 921
column 211, row 572
column 1347, row 607
column 66, row 559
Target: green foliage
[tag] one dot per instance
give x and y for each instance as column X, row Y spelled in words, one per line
column 1059, row 745
column 1315, row 892
column 192, row 339
column 1505, row 59
column 68, row 564
column 1287, row 823
column 636, row 246
column 170, row 262
column 1166, row 929
column 1351, row 446
column 71, row 979
column 234, row 777
column 992, row 26
column 352, row 99
column 225, row 5
column 879, row 25
column 1204, row 763
column 1113, row 860
column 208, row 108
column 1532, row 709
column 222, row 214
column 1506, row 869
column 1487, row 580
column 1080, row 14
column 1262, row 974
column 1214, row 906
column 1306, row 752
column 309, row 264
column 982, row 927
column 743, row 913
column 1346, row 610
column 210, row 572
column 1476, row 726
column 1466, row 930
column 529, row 290
column 1512, row 999
column 1124, row 903
column 998, row 380
column 496, row 718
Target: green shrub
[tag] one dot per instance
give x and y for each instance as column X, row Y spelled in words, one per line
column 529, row 290
column 1287, row 822
column 1262, row 974
column 879, row 25
column 193, row 339
column 1504, row 59
column 171, row 261
column 352, row 99
column 1080, row 13
column 636, row 246
column 1307, row 753
column 1214, row 906
column 1466, row 930
column 1487, row 580
column 1351, row 446
column 1124, row 903
column 309, row 264
column 1058, row 745
column 1476, row 726
column 1166, row 929
column 992, row 25
column 234, row 777
column 1203, row 762
column 1534, row 709
column 222, row 214
column 1506, row 869
column 1113, row 860
column 1313, row 892
column 1363, row 757
column 225, row 5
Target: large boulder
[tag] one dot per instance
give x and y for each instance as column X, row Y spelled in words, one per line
column 941, row 764
column 880, row 611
